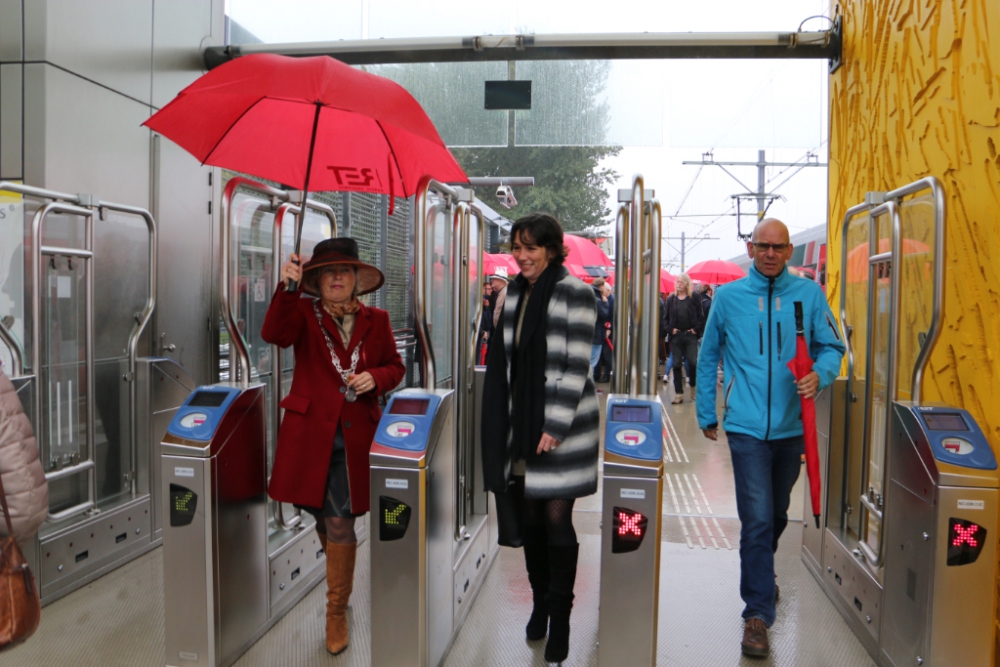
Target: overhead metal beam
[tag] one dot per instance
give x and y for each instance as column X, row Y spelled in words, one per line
column 824, row 44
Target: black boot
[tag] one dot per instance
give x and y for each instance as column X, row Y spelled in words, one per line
column 536, row 558
column 562, row 568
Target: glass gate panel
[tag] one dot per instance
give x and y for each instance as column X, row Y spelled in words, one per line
column 879, row 367
column 121, row 288
column 855, row 286
column 63, row 387
column 916, row 275
column 439, row 290
column 14, row 267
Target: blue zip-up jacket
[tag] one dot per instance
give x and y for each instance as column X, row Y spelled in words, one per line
column 751, row 327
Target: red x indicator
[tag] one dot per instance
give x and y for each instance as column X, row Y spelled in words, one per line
column 965, row 541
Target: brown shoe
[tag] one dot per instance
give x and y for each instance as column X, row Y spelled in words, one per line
column 677, row 399
column 755, row 642
column 339, row 584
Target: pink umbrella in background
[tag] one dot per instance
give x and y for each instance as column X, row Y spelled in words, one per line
column 715, row 272
column 584, row 256
column 492, row 261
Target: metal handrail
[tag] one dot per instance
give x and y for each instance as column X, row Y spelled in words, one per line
column 934, row 185
column 636, row 300
column 16, row 350
column 240, row 370
column 424, row 187
column 460, row 353
column 36, row 341
column 876, row 558
column 654, row 234
column 621, row 325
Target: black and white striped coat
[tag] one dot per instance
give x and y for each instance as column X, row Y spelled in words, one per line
column 572, row 412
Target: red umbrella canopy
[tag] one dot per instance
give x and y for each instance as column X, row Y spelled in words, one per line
column 716, row 272
column 584, row 252
column 492, row 261
column 668, row 282
column 266, row 114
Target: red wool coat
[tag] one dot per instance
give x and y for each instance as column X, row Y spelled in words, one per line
column 315, row 405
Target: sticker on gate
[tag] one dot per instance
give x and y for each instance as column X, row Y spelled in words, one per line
column 958, row 446
column 630, row 437
column 971, row 504
column 400, row 429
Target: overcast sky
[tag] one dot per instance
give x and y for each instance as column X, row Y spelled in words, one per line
column 732, row 108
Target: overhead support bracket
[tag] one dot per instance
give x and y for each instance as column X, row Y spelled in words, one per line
column 822, row 44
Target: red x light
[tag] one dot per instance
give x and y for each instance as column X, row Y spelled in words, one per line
column 627, row 530
column 965, row 541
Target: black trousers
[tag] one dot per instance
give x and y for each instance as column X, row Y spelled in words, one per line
column 685, row 346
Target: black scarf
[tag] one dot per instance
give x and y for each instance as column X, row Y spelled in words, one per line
column 527, row 373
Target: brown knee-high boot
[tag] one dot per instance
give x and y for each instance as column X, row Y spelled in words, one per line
column 321, row 534
column 339, row 584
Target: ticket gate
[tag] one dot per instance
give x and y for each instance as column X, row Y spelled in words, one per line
column 632, row 508
column 633, row 444
column 425, row 469
column 218, row 580
column 911, row 490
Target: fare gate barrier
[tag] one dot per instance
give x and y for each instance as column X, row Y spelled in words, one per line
column 219, row 594
column 911, row 489
column 633, row 444
column 631, row 512
column 413, row 501
column 433, row 525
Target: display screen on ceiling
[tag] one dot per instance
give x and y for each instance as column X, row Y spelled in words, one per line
column 409, row 406
column 946, row 422
column 208, row 399
column 508, row 95
column 631, row 413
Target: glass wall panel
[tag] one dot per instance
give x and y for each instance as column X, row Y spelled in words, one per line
column 439, row 286
column 453, row 95
column 13, row 272
column 591, row 103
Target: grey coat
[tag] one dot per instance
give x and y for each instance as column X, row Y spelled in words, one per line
column 572, row 412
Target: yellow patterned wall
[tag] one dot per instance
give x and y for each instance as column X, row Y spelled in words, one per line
column 919, row 95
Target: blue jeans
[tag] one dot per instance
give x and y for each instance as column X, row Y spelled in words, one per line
column 595, row 357
column 765, row 472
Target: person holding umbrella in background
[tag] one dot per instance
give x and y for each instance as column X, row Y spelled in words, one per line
column 752, row 326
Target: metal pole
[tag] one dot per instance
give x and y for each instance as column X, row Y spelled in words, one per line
column 683, row 246
column 655, row 227
column 636, row 302
column 761, row 183
column 621, row 325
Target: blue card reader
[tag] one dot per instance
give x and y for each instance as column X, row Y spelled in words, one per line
column 634, row 428
column 955, row 437
column 407, row 420
column 199, row 416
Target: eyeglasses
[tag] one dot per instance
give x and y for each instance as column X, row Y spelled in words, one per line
column 776, row 247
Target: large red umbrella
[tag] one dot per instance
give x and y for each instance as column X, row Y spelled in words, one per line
column 308, row 123
column 668, row 282
column 800, row 367
column 716, row 272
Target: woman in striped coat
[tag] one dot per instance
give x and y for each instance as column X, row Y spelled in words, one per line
column 541, row 417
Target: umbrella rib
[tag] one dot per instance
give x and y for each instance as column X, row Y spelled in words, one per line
column 392, row 152
column 229, row 129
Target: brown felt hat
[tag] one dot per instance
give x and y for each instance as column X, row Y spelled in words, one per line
column 340, row 250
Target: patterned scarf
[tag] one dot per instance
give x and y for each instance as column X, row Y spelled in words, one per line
column 338, row 310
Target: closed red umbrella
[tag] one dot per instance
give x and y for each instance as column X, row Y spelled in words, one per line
column 716, row 272
column 800, row 367
column 308, row 123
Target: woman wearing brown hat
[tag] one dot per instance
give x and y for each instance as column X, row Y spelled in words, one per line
column 345, row 357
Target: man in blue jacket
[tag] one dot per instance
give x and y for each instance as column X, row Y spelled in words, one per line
column 752, row 328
